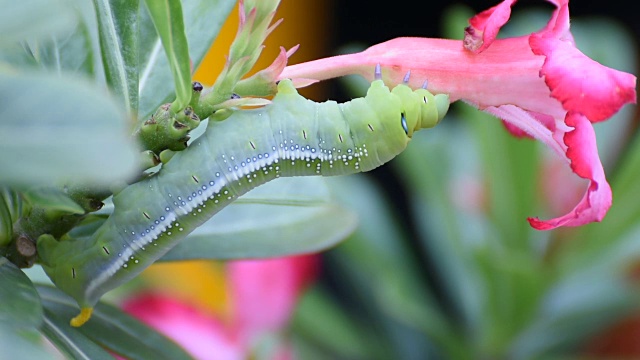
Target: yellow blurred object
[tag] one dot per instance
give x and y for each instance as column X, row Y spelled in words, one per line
column 305, row 22
column 200, row 282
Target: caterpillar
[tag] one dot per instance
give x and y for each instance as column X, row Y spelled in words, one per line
column 292, row 136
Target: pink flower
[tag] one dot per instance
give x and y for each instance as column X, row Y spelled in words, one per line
column 202, row 335
column 263, row 295
column 264, row 292
column 540, row 85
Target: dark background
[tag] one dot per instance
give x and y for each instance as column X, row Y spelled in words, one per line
column 422, row 17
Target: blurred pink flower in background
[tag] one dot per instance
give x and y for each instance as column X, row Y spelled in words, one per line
column 540, row 84
column 262, row 295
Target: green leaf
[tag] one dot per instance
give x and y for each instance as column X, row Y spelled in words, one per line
column 510, row 166
column 575, row 309
column 118, row 30
column 88, row 226
column 167, row 18
column 19, row 300
column 334, row 330
column 11, row 209
column 379, row 260
column 24, row 344
column 113, row 329
column 514, row 285
column 283, row 217
column 32, row 19
column 625, row 186
column 13, row 201
column 6, row 222
column 54, row 130
column 71, row 52
column 371, row 303
column 433, row 163
column 17, row 55
column 70, row 340
column 612, row 255
column 53, row 199
column 205, row 18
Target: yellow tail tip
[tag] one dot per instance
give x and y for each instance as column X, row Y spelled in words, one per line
column 83, row 317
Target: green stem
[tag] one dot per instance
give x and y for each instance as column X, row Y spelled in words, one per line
column 168, row 130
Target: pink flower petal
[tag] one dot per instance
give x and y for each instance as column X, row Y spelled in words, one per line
column 560, row 199
column 583, row 153
column 523, row 130
column 273, row 71
column 485, row 26
column 243, row 17
column 538, row 126
column 515, row 131
column 578, row 146
column 595, row 91
column 265, row 291
column 558, row 25
column 505, row 73
column 199, row 334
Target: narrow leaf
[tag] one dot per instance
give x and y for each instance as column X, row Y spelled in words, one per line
column 70, row 340
column 6, row 222
column 576, row 308
column 446, row 234
column 168, row 20
column 17, row 55
column 379, row 260
column 118, row 25
column 13, row 201
column 71, row 52
column 113, row 329
column 26, row 343
column 284, row 217
column 53, row 199
column 335, row 329
column 55, row 130
column 88, row 226
column 510, row 166
column 205, row 18
column 19, row 301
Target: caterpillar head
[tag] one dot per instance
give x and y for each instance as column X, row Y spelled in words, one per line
column 421, row 109
column 387, row 119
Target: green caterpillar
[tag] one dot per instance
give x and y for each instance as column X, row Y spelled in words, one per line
column 292, row 136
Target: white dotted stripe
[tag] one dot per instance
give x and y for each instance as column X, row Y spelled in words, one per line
column 234, row 171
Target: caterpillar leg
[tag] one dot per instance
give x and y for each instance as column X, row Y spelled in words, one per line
column 83, row 317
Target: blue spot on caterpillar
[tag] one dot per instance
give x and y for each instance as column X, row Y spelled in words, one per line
column 292, row 136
